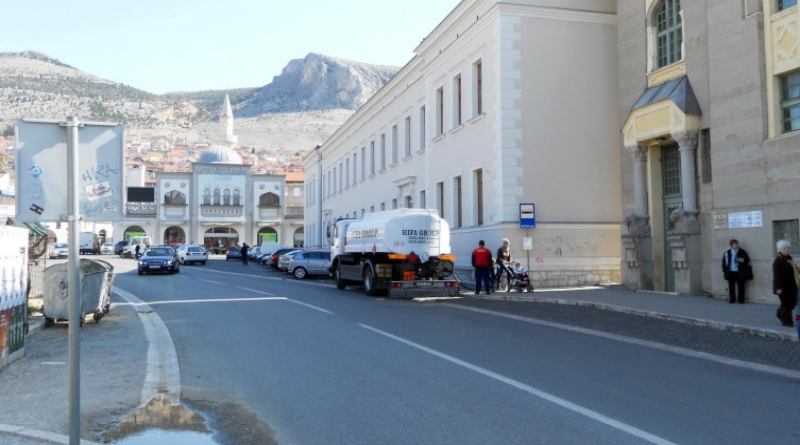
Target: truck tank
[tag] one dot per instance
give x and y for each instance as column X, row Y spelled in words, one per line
column 399, row 232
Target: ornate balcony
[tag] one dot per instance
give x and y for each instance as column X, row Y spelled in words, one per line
column 140, row 208
column 295, row 212
column 220, row 211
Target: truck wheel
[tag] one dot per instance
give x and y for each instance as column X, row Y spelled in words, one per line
column 337, row 276
column 49, row 322
column 369, row 282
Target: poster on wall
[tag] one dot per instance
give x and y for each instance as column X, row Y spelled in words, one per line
column 13, row 290
column 267, row 238
column 744, row 220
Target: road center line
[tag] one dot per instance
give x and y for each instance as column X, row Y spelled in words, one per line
column 311, row 306
column 624, row 427
column 774, row 370
column 214, row 300
column 212, row 282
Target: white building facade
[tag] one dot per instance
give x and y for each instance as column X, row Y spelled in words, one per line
column 504, row 103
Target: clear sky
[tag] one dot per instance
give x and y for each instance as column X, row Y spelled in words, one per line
column 191, row 45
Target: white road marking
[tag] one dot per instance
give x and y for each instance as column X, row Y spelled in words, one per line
column 163, row 374
column 624, row 427
column 215, row 300
column 53, row 363
column 256, row 291
column 774, row 370
column 311, row 306
column 212, row 282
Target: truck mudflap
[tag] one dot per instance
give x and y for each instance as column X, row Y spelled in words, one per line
column 423, row 288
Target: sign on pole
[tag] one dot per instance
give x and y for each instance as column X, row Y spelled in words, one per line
column 41, row 156
column 527, row 216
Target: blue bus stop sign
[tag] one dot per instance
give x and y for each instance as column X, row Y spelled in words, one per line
column 527, row 216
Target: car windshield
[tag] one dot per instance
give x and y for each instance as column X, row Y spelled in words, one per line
column 196, row 249
column 61, row 245
column 158, row 252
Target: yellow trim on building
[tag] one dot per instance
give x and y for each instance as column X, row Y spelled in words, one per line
column 666, row 74
column 782, row 41
column 660, row 119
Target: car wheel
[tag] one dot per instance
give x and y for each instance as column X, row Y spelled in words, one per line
column 140, row 272
column 337, row 277
column 203, row 263
column 299, row 273
column 369, row 282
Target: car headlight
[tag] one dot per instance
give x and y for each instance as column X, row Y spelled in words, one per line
column 142, row 263
column 168, row 263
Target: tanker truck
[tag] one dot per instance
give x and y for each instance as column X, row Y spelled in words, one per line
column 405, row 252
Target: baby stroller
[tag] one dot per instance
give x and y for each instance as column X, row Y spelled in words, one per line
column 518, row 278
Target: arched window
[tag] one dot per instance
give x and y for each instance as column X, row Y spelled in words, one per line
column 237, row 197
column 269, row 200
column 226, row 197
column 217, row 197
column 175, row 198
column 207, row 197
column 669, row 33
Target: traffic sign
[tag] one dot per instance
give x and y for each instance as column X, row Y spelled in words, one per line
column 527, row 216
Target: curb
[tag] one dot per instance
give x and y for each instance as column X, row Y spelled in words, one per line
column 39, row 435
column 723, row 326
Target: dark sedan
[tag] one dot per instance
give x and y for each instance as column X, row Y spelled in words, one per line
column 159, row 259
column 233, row 253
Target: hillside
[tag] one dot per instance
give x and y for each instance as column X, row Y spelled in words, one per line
column 302, row 106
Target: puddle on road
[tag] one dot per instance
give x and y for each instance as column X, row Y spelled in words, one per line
column 161, row 422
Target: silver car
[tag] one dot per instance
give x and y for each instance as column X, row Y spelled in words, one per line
column 60, row 250
column 283, row 260
column 309, row 262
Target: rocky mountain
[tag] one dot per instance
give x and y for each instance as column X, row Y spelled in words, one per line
column 317, row 82
column 302, row 106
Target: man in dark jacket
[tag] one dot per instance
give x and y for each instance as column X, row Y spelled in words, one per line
column 785, row 282
column 482, row 262
column 244, row 250
column 734, row 261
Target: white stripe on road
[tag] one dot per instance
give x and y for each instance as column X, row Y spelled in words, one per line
column 256, row 291
column 212, row 282
column 624, row 427
column 215, row 300
column 311, row 306
column 774, row 370
column 163, row 374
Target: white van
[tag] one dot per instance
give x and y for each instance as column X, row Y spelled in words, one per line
column 130, row 249
column 269, row 247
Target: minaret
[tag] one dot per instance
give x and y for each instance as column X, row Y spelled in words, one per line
column 226, row 124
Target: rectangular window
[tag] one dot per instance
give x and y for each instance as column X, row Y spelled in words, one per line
column 335, row 189
column 347, row 173
column 457, row 202
column 439, row 111
column 421, row 128
column 477, row 88
column 457, row 101
column 790, row 101
column 371, row 157
column 383, row 206
column 363, row 163
column 705, row 153
column 423, row 204
column 440, row 198
column 479, row 196
column 786, row 4
column 355, row 170
column 383, row 151
column 407, row 137
column 363, row 212
column 371, row 209
column 394, row 144
column 394, row 203
column 788, row 230
column 341, row 176
column 409, row 203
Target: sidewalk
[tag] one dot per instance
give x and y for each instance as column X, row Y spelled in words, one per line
column 753, row 318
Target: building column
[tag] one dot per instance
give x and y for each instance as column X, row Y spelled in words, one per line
column 639, row 154
column 687, row 141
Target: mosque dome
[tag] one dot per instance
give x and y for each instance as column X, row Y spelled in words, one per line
column 220, row 155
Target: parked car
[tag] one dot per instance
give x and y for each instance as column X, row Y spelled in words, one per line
column 120, row 246
column 233, row 253
column 159, row 259
column 188, row 254
column 272, row 258
column 107, row 248
column 60, row 250
column 283, row 260
column 254, row 252
column 309, row 262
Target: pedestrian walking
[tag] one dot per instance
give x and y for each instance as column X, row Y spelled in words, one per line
column 503, row 258
column 244, row 250
column 737, row 270
column 785, row 282
column 482, row 262
column 138, row 250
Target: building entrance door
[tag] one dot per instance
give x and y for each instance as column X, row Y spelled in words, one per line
column 673, row 200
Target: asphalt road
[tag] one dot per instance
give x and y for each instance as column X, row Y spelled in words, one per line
column 323, row 366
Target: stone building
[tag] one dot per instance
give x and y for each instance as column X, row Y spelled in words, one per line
column 504, row 103
column 710, row 100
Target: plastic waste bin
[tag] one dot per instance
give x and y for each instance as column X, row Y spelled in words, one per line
column 95, row 291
